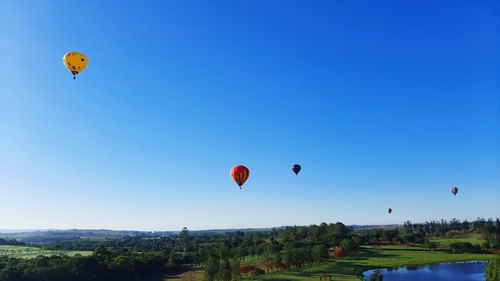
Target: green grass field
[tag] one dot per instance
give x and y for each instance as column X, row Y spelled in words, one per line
column 349, row 269
column 474, row 239
column 25, row 252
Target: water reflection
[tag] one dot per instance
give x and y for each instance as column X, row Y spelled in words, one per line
column 463, row 271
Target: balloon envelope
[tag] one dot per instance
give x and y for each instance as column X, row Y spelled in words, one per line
column 75, row 62
column 389, row 210
column 296, row 168
column 240, row 174
column 454, row 191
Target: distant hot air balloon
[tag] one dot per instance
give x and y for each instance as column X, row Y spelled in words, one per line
column 454, row 190
column 75, row 62
column 240, row 174
column 296, row 168
column 389, row 211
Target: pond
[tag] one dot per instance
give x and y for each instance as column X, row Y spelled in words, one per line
column 462, row 271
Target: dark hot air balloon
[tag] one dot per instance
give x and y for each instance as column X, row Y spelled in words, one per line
column 389, row 211
column 454, row 190
column 296, row 168
column 240, row 174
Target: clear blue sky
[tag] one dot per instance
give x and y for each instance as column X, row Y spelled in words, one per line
column 384, row 103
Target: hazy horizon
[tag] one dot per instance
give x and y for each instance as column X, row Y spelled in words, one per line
column 3, row 230
column 383, row 103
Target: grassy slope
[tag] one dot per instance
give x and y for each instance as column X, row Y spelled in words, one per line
column 474, row 239
column 347, row 269
column 23, row 252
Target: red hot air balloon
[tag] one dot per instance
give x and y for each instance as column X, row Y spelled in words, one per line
column 240, row 174
column 389, row 211
column 296, row 168
column 454, row 190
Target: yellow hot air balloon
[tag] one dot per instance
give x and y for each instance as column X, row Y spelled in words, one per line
column 75, row 62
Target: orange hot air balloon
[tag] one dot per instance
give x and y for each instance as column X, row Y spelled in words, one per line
column 240, row 174
column 389, row 211
column 75, row 62
column 454, row 190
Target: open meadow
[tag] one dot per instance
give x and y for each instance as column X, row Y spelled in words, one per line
column 27, row 252
column 351, row 268
column 474, row 239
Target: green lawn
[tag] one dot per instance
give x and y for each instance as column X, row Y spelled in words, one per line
column 348, row 269
column 474, row 239
column 25, row 252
